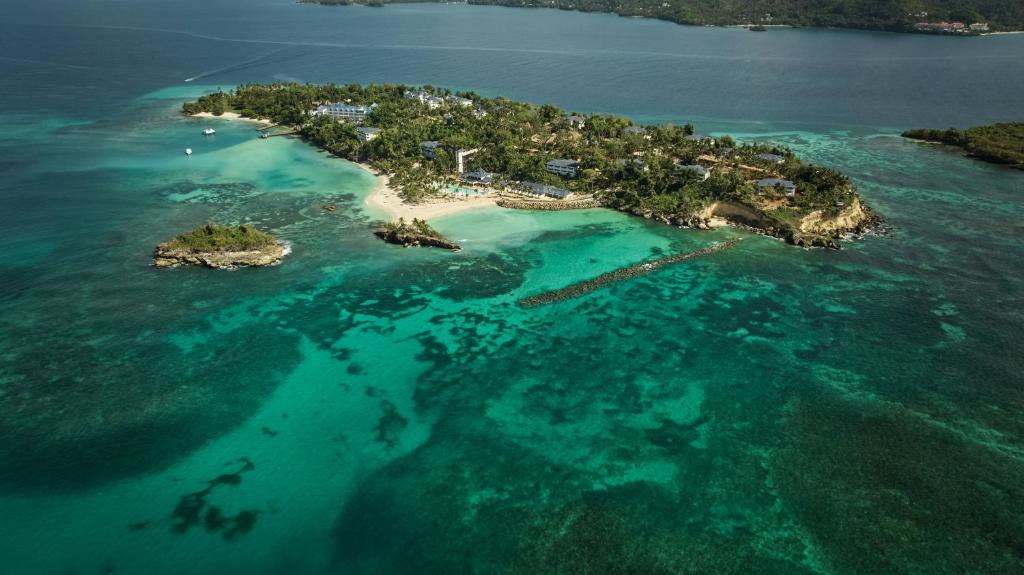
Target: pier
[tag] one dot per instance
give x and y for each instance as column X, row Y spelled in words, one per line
column 628, row 272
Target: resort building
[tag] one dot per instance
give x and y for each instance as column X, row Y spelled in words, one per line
column 978, row 27
column 424, row 97
column 478, row 176
column 461, row 155
column 367, row 134
column 941, row 27
column 701, row 139
column 635, row 131
column 538, row 189
column 577, row 122
column 635, row 161
column 775, row 183
column 772, row 158
column 348, row 112
column 701, row 172
column 564, row 168
column 430, row 148
column 459, row 101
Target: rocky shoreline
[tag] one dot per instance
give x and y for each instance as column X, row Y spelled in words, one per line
column 548, row 205
column 166, row 257
column 813, row 231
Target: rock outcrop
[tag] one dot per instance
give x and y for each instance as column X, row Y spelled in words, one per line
column 408, row 240
column 165, row 257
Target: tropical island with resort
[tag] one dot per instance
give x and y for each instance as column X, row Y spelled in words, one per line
column 436, row 151
column 995, row 143
column 947, row 17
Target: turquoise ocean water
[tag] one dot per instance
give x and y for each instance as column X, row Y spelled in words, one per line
column 363, row 408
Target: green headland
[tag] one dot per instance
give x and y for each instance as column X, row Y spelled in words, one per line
column 429, row 140
column 995, row 143
column 928, row 16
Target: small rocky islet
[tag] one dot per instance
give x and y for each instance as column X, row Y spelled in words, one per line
column 220, row 247
column 414, row 234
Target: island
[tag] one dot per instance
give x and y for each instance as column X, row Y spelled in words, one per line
column 416, row 233
column 430, row 145
column 949, row 17
column 221, row 247
column 995, row 143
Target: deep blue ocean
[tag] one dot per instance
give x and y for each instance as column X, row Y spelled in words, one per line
column 363, row 408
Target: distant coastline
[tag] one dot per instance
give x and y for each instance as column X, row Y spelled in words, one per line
column 996, row 143
column 931, row 16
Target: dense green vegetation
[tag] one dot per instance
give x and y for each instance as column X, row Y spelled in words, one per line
column 637, row 170
column 219, row 238
column 997, row 143
column 417, row 226
column 895, row 15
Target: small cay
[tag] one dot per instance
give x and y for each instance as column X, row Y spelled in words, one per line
column 221, row 247
column 417, row 233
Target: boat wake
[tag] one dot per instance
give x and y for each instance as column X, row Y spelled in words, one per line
column 264, row 59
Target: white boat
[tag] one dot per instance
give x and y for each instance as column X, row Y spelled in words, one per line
column 209, row 132
column 188, row 151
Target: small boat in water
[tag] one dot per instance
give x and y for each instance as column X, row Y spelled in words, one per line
column 264, row 135
column 209, row 132
column 188, row 152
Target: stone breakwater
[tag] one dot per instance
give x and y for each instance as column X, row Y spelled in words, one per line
column 548, row 205
column 165, row 257
column 633, row 271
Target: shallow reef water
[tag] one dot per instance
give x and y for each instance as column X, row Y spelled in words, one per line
column 365, row 408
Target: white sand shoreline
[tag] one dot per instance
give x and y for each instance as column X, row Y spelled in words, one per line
column 385, row 198
column 231, row 116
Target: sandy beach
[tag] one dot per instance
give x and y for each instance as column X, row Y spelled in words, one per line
column 231, row 116
column 386, row 198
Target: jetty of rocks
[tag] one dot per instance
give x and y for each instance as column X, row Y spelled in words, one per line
column 628, row 272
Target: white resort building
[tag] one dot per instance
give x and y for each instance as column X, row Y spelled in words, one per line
column 538, row 189
column 425, row 97
column 564, row 168
column 344, row 112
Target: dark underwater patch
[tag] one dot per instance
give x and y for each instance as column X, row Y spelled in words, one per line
column 79, row 414
column 891, row 492
column 192, row 509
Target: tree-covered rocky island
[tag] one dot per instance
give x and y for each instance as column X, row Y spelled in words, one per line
column 415, row 233
column 997, row 143
column 429, row 140
column 219, row 246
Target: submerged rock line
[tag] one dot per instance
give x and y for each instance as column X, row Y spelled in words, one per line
column 605, row 279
